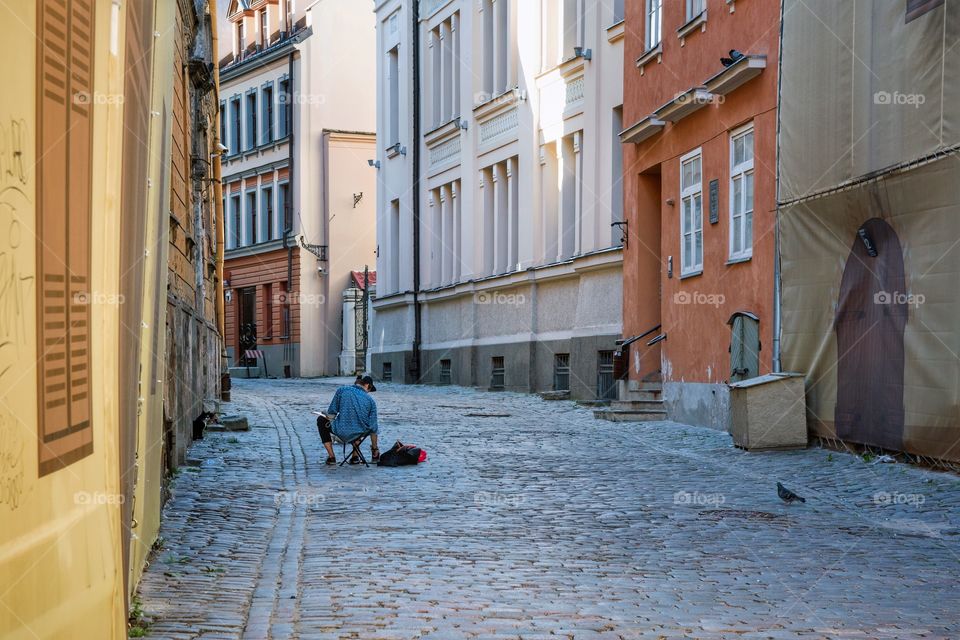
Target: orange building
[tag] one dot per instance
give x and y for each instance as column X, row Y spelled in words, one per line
column 700, row 107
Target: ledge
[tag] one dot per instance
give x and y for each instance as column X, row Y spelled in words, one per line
column 445, row 130
column 646, row 128
column 699, row 20
column 684, row 104
column 644, row 60
column 615, row 31
column 739, row 260
column 745, row 69
column 498, row 102
column 692, row 274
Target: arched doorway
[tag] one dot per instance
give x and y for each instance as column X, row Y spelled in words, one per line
column 871, row 315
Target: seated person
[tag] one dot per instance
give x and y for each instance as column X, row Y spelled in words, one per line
column 356, row 415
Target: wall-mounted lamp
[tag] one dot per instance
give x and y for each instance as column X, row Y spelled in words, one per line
column 228, row 295
column 462, row 124
column 374, row 163
column 670, row 266
column 221, row 150
column 580, row 52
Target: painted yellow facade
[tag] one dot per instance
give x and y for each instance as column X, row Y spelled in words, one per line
column 82, row 446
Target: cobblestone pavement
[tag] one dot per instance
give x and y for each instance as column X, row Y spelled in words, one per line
column 533, row 520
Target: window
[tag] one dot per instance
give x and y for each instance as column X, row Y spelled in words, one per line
column 267, row 115
column 236, row 237
column 387, row 373
column 64, row 147
column 266, row 207
column 561, row 372
column 500, row 215
column 393, row 82
column 497, row 70
column 238, row 38
column 446, row 372
column 251, row 209
column 572, row 27
column 236, row 124
column 393, row 272
column 654, row 20
column 283, row 126
column 267, row 311
column 264, row 35
column 445, row 79
column 691, row 214
column 571, row 192
column 252, row 120
column 284, row 206
column 616, row 189
column 741, row 193
column 695, row 8
column 606, row 383
column 223, row 123
column 497, row 374
column 618, row 14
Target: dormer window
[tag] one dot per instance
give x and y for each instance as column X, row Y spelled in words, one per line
column 264, row 33
column 240, row 45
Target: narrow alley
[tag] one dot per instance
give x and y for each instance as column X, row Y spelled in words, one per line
column 530, row 519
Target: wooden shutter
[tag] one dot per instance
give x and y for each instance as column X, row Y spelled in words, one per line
column 65, row 51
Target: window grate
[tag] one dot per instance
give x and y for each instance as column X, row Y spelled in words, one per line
column 606, row 382
column 498, row 375
column 561, row 372
column 446, row 372
column 387, row 374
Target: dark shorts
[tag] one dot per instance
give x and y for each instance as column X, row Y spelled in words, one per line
column 323, row 426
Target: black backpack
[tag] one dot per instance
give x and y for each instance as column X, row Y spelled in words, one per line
column 401, row 455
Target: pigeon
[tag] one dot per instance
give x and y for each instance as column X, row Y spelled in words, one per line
column 788, row 496
column 734, row 57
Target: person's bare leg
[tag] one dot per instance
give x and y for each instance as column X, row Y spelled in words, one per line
column 329, row 447
column 373, row 441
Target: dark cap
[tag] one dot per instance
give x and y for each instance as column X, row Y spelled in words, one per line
column 367, row 380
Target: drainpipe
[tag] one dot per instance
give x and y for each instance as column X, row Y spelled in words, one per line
column 288, row 226
column 218, row 193
column 415, row 145
column 777, row 292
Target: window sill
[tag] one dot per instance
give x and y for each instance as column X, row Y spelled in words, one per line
column 692, row 274
column 615, row 31
column 691, row 26
column 739, row 259
column 646, row 58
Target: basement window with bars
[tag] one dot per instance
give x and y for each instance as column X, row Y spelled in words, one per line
column 387, row 373
column 606, row 382
column 498, row 373
column 446, row 372
column 561, row 372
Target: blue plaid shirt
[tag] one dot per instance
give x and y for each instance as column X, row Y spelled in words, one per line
column 356, row 413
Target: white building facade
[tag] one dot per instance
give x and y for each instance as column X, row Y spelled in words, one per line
column 298, row 121
column 514, row 212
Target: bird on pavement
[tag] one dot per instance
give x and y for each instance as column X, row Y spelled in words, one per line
column 788, row 496
column 734, row 56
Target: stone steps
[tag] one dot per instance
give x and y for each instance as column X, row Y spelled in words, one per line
column 643, row 405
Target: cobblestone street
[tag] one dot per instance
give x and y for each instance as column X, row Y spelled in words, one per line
column 531, row 519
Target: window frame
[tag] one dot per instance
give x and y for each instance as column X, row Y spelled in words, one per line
column 744, row 169
column 648, row 12
column 694, row 4
column 691, row 192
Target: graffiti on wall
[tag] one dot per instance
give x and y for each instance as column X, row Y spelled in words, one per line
column 16, row 293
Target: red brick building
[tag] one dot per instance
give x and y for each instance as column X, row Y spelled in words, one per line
column 700, row 198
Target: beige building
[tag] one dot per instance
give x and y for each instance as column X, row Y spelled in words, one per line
column 297, row 97
column 500, row 267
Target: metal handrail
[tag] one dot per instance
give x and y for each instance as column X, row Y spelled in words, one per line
column 628, row 341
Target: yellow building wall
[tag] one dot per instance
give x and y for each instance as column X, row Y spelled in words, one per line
column 60, row 533
column 148, row 488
